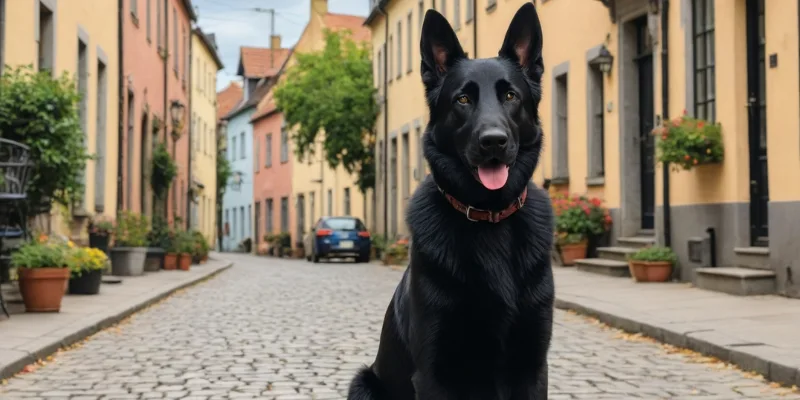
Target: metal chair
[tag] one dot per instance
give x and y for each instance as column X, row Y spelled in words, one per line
column 15, row 171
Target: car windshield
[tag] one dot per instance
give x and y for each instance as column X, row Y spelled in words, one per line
column 342, row 224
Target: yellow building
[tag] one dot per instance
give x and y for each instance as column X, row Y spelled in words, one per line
column 318, row 190
column 81, row 38
column 204, row 67
column 604, row 81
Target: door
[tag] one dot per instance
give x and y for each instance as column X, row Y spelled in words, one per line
column 143, row 166
column 647, row 162
column 757, row 123
column 393, row 189
column 257, row 224
column 301, row 217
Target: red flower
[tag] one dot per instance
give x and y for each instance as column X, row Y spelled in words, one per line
column 701, row 124
column 596, row 202
column 684, row 111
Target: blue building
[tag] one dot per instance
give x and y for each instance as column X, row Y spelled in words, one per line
column 237, row 204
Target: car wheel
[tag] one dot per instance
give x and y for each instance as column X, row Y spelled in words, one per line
column 315, row 258
column 362, row 259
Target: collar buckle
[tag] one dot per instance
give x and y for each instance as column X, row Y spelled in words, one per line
column 466, row 212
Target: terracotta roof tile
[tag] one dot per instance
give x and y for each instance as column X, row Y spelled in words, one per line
column 354, row 23
column 265, row 107
column 228, row 98
column 258, row 62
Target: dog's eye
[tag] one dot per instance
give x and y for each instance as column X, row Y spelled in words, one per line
column 510, row 96
column 463, row 99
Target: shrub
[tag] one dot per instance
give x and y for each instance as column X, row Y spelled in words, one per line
column 580, row 216
column 655, row 253
column 42, row 112
column 101, row 226
column 163, row 170
column 159, row 235
column 42, row 253
column 131, row 230
column 687, row 142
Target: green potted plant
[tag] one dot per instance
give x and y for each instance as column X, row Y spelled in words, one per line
column 130, row 247
column 688, row 142
column 652, row 264
column 573, row 226
column 86, row 265
column 197, row 246
column 43, row 271
column 396, row 253
column 158, row 241
column 378, row 246
column 185, row 246
column 100, row 230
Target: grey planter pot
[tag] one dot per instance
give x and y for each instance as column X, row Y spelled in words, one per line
column 155, row 259
column 128, row 261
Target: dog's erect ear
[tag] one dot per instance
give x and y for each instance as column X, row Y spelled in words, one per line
column 523, row 42
column 439, row 46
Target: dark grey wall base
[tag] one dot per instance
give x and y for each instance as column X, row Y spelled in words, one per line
column 784, row 249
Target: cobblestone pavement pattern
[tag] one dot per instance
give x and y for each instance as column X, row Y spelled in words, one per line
column 286, row 329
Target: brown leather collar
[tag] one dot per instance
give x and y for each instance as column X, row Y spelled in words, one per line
column 475, row 214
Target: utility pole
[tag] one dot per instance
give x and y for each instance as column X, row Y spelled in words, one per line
column 271, row 12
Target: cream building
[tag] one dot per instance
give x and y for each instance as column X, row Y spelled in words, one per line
column 80, row 37
column 204, row 67
column 614, row 69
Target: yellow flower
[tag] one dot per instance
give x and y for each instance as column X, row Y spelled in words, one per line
column 70, row 244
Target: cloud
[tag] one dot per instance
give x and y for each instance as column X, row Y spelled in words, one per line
column 235, row 23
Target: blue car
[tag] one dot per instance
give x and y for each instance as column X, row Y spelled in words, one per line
column 338, row 237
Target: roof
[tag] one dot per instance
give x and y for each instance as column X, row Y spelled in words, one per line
column 208, row 43
column 261, row 90
column 353, row 23
column 260, row 62
column 376, row 9
column 187, row 4
column 228, row 98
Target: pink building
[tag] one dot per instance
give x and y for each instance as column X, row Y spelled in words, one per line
column 156, row 70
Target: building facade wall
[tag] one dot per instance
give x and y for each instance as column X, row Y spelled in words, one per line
column 273, row 177
column 203, row 130
column 239, row 199
column 93, row 24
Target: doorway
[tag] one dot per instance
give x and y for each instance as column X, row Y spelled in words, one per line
column 757, row 123
column 393, row 189
column 647, row 162
column 142, row 166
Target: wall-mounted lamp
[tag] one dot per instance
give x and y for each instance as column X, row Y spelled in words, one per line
column 603, row 60
column 176, row 112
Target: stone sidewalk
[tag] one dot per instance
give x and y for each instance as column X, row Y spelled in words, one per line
column 25, row 338
column 758, row 333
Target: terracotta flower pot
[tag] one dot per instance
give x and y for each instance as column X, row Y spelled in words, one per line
column 572, row 252
column 170, row 261
column 205, row 258
column 185, row 261
column 650, row 271
column 43, row 288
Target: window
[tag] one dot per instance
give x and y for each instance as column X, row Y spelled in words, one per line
column 343, row 224
column 159, row 34
column 421, row 7
column 268, row 156
column 227, row 220
column 560, row 158
column 389, row 58
column 380, row 69
column 100, row 139
column 492, row 5
column 330, row 202
column 704, row 68
column 346, row 201
column 185, row 57
column 596, row 129
column 379, row 163
column 410, row 44
column 257, row 156
column 311, row 206
column 241, row 222
column 147, row 18
column 235, row 222
column 175, row 40
column 399, row 49
column 233, row 149
column 249, row 218
column 83, row 89
column 284, row 214
column 270, row 216
column 456, row 14
column 284, row 144
column 406, row 165
column 46, row 38
column 242, row 151
column 470, row 12
column 135, row 11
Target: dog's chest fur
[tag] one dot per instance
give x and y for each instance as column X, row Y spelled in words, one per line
column 486, row 287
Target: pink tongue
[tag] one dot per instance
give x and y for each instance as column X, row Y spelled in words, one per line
column 493, row 177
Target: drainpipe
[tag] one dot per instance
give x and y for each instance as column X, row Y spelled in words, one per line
column 121, row 104
column 187, row 116
column 385, row 121
column 665, row 113
column 474, row 28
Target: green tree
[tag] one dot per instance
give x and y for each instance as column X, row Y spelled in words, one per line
column 332, row 91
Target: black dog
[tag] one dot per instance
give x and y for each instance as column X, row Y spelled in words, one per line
column 472, row 316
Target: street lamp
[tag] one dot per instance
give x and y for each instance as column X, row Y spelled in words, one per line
column 603, row 60
column 176, row 112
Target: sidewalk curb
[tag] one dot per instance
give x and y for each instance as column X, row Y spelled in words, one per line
column 773, row 367
column 13, row 367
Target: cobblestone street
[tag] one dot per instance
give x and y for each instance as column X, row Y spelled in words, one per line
column 287, row 329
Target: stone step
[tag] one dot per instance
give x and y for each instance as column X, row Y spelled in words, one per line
column 752, row 257
column 637, row 242
column 736, row 281
column 615, row 253
column 603, row 267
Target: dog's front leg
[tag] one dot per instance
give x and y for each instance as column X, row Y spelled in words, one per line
column 426, row 388
column 535, row 389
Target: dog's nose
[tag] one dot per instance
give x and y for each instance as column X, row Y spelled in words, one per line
column 493, row 140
